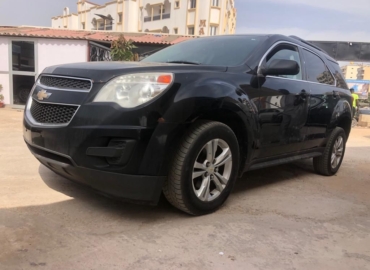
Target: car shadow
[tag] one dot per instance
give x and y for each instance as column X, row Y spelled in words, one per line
column 268, row 176
column 83, row 194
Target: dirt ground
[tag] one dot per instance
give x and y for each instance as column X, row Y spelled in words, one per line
column 285, row 217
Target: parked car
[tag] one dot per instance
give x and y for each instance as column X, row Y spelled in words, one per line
column 190, row 119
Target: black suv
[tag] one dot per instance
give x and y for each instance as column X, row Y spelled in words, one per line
column 191, row 118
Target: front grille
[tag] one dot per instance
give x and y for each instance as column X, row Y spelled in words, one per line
column 65, row 83
column 52, row 113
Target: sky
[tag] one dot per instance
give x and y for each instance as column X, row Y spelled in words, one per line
column 340, row 20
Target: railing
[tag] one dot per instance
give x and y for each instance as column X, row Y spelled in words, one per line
column 99, row 53
column 107, row 27
column 157, row 17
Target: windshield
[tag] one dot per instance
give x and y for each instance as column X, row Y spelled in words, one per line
column 213, row 51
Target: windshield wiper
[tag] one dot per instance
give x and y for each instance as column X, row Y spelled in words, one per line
column 183, row 62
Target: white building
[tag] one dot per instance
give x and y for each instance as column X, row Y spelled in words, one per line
column 24, row 58
column 183, row 17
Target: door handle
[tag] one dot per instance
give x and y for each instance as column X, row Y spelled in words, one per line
column 303, row 94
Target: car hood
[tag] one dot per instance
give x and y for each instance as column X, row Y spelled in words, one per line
column 104, row 71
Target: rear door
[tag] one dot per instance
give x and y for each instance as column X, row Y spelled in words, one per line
column 323, row 97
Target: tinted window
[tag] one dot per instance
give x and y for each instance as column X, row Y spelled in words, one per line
column 316, row 69
column 286, row 52
column 214, row 51
column 341, row 83
column 23, row 56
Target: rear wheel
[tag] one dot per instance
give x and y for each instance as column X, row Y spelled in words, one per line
column 329, row 163
column 204, row 168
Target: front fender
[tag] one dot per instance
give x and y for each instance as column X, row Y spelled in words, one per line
column 218, row 101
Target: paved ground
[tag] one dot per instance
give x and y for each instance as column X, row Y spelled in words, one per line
column 281, row 218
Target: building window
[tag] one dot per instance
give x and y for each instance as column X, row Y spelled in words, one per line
column 175, row 31
column 162, row 10
column 120, row 18
column 193, row 4
column 215, row 3
column 191, row 30
column 83, row 26
column 177, row 4
column 213, row 31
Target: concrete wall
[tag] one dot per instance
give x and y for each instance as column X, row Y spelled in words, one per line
column 366, row 75
column 178, row 18
column 49, row 52
column 4, row 55
column 5, row 81
column 58, row 51
column 57, row 22
column 4, row 67
column 66, row 22
column 130, row 16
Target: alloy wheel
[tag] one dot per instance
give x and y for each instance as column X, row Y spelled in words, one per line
column 212, row 170
column 337, row 153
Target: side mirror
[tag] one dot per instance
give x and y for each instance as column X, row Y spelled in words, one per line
column 281, row 67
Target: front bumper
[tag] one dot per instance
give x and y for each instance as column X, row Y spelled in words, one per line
column 121, row 152
column 133, row 188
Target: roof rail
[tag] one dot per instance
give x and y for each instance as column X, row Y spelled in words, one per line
column 308, row 43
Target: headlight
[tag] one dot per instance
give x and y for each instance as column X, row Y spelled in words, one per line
column 132, row 90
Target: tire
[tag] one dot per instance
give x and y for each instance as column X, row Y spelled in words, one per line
column 329, row 163
column 187, row 182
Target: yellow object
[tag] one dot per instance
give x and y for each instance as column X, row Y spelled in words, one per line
column 355, row 97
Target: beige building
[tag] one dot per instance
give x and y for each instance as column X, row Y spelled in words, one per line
column 350, row 71
column 363, row 73
column 183, row 17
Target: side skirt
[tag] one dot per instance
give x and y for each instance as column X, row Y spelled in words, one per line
column 283, row 159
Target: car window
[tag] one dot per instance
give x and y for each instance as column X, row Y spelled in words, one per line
column 341, row 82
column 316, row 69
column 286, row 52
column 214, row 51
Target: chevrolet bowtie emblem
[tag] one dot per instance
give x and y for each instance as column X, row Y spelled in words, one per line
column 42, row 94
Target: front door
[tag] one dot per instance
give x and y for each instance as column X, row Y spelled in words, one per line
column 283, row 108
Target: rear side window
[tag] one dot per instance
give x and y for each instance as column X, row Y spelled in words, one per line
column 316, row 69
column 341, row 83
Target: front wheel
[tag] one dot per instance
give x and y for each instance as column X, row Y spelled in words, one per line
column 204, row 168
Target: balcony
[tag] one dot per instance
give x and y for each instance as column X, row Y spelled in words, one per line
column 157, row 17
column 101, row 28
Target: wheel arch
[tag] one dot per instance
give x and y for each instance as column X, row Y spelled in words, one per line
column 239, row 125
column 345, row 123
column 342, row 116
